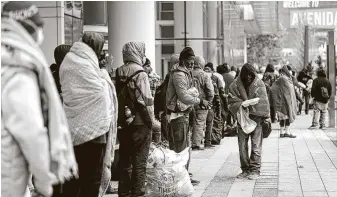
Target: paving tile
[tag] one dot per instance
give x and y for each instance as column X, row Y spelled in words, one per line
column 315, row 194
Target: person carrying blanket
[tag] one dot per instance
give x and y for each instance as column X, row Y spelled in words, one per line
column 248, row 86
column 34, row 132
column 90, row 104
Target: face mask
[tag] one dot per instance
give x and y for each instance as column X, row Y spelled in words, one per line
column 40, row 36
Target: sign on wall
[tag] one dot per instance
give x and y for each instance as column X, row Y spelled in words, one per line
column 319, row 18
column 300, row 4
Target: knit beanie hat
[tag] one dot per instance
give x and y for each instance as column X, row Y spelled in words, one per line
column 186, row 53
column 199, row 62
column 25, row 13
column 209, row 65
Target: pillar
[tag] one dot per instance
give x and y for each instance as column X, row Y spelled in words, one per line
column 306, row 46
column 131, row 21
column 52, row 13
column 332, row 78
column 212, row 31
column 245, row 59
column 194, row 25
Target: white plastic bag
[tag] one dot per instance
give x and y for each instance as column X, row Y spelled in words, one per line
column 166, row 173
column 248, row 125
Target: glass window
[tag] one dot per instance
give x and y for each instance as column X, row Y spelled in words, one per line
column 167, row 49
column 73, row 21
column 167, row 6
column 167, row 16
column 167, row 31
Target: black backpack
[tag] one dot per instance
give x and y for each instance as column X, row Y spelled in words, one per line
column 124, row 97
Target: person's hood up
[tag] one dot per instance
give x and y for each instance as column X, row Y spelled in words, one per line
column 321, row 73
column 173, row 61
column 134, row 52
column 270, row 68
column 95, row 41
column 60, row 52
column 199, row 62
column 245, row 71
column 285, row 71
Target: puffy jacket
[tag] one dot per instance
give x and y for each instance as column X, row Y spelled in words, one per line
column 204, row 84
column 180, row 81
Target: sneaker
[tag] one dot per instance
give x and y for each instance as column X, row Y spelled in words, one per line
column 299, row 113
column 282, row 136
column 243, row 175
column 195, row 182
column 253, row 176
column 289, row 135
column 321, row 127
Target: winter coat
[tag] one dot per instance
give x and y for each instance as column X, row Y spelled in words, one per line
column 316, row 91
column 283, row 97
column 204, row 84
column 139, row 85
column 180, row 82
column 269, row 78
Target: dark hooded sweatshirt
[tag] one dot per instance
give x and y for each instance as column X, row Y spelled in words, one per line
column 59, row 53
column 318, row 83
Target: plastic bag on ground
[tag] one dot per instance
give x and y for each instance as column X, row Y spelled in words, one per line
column 166, row 173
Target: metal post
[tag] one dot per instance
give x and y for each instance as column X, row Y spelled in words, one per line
column 222, row 32
column 306, row 46
column 185, row 24
column 332, row 78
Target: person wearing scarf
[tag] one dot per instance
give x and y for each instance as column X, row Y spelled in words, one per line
column 283, row 99
column 90, row 103
column 248, row 86
column 34, row 131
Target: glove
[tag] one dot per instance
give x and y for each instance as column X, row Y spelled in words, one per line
column 204, row 104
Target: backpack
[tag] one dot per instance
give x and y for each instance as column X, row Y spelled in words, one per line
column 124, row 98
column 160, row 97
column 324, row 92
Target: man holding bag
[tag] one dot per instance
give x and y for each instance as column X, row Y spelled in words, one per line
column 249, row 87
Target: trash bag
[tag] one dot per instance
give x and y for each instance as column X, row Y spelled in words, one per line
column 248, row 125
column 166, row 173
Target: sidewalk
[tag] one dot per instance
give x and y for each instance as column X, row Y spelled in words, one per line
column 302, row 167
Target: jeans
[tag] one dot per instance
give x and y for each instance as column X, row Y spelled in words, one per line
column 180, row 135
column 209, row 127
column 284, row 123
column 89, row 157
column 320, row 109
column 133, row 154
column 198, row 132
column 252, row 163
column 164, row 127
column 306, row 96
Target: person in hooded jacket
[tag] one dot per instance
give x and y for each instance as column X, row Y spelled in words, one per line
column 321, row 92
column 59, row 53
column 206, row 91
column 284, row 101
column 249, row 86
column 34, row 129
column 305, row 77
column 160, row 109
column 135, row 138
column 269, row 78
column 90, row 104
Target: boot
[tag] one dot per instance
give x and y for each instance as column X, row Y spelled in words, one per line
column 288, row 134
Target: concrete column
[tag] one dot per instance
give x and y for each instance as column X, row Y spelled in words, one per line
column 131, row 21
column 306, row 46
column 194, row 25
column 332, row 78
column 212, row 31
column 52, row 13
column 245, row 59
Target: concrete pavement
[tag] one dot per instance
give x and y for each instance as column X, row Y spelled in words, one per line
column 302, row 167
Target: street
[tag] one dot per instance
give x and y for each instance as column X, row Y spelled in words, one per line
column 302, row 167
